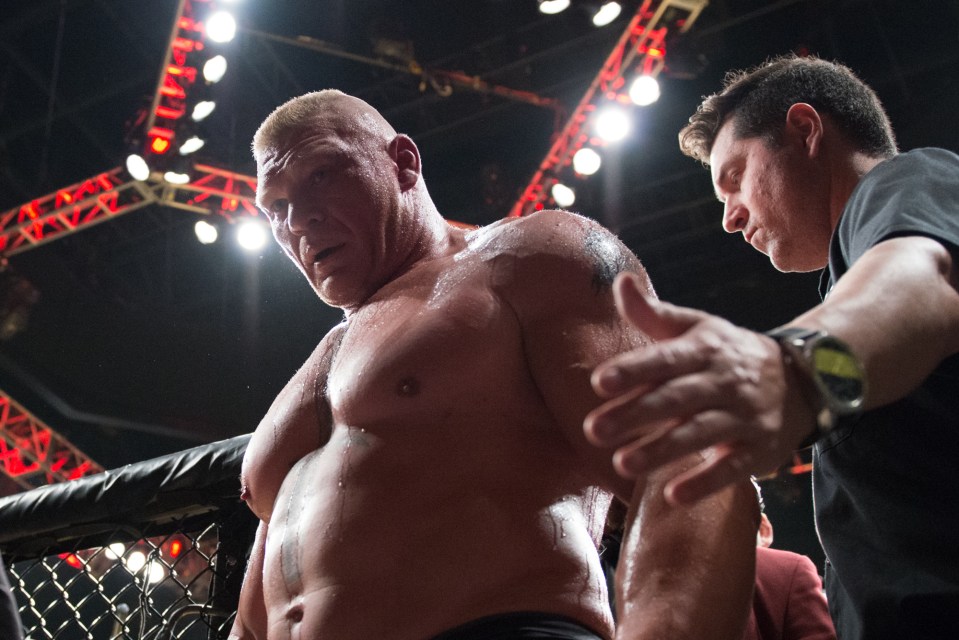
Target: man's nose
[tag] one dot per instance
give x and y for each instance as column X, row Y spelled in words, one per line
column 303, row 216
column 734, row 216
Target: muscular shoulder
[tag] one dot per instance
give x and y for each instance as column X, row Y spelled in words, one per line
column 562, row 247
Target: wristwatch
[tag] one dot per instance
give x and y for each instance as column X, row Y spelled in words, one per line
column 835, row 378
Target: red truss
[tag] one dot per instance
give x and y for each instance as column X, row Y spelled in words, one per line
column 69, row 209
column 107, row 196
column 32, row 454
column 643, row 42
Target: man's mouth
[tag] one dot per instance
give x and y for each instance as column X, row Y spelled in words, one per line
column 322, row 255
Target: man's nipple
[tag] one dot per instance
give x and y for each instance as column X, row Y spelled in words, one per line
column 408, row 387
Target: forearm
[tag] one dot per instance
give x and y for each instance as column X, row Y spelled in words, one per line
column 898, row 309
column 687, row 572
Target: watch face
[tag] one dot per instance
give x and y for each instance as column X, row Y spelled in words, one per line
column 840, row 373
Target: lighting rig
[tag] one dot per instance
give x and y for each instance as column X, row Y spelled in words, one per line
column 626, row 80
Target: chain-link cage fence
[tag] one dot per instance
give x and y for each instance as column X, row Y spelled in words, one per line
column 152, row 551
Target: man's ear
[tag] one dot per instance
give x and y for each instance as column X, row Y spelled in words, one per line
column 804, row 125
column 407, row 159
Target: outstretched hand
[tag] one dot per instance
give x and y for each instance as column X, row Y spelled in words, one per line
column 704, row 385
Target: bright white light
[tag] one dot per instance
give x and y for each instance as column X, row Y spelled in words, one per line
column 174, row 177
column 137, row 167
column 202, row 110
column 205, row 232
column 551, row 7
column 157, row 572
column 214, row 69
column 191, row 144
column 221, row 27
column 251, row 235
column 607, row 13
column 644, row 90
column 612, row 124
column 115, row 551
column 586, row 162
column 563, row 195
column 135, row 561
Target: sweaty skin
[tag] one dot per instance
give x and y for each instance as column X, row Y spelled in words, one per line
column 427, row 465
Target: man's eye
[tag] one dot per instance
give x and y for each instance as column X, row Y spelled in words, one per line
column 279, row 207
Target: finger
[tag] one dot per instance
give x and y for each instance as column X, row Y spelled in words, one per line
column 659, row 320
column 606, row 426
column 699, row 433
column 728, row 465
column 675, row 400
column 652, row 364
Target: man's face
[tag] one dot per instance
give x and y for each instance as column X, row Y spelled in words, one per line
column 774, row 196
column 332, row 199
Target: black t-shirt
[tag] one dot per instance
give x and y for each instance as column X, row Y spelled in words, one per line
column 886, row 487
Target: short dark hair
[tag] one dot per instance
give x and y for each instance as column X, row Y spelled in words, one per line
column 757, row 100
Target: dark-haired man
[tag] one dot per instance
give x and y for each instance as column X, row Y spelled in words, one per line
column 425, row 473
column 803, row 157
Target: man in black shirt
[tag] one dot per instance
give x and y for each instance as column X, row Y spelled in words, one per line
column 803, row 157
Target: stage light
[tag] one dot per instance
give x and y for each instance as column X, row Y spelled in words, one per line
column 159, row 145
column 202, row 110
column 205, row 232
column 644, row 90
column 157, row 572
column 220, row 27
column 586, row 162
column 214, row 69
column 607, row 13
column 563, row 195
column 176, row 177
column 115, row 551
column 612, row 124
column 191, row 144
column 551, row 7
column 135, row 561
column 137, row 167
column 176, row 547
column 251, row 235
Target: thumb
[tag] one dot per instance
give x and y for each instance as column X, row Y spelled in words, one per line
column 659, row 320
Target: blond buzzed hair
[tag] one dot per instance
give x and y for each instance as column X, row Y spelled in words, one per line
column 294, row 116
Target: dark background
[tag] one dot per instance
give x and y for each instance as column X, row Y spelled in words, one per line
column 145, row 342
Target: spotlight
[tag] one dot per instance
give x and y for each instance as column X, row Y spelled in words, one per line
column 251, row 235
column 607, row 13
column 205, row 232
column 612, row 124
column 137, row 167
column 135, row 561
column 551, row 7
column 563, row 195
column 176, row 177
column 586, row 162
column 191, row 144
column 221, row 27
column 644, row 90
column 157, row 572
column 214, row 69
column 202, row 110
column 115, row 551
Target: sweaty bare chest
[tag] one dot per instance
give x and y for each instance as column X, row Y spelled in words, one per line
column 420, row 352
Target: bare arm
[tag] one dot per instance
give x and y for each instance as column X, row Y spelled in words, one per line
column 684, row 572
column 722, row 388
column 250, row 622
